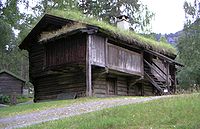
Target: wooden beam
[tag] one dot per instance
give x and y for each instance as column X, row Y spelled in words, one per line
column 164, row 57
column 106, row 52
column 88, row 67
column 167, row 77
column 175, row 82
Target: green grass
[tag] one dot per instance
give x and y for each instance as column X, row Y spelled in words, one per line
column 33, row 107
column 129, row 36
column 23, row 99
column 180, row 112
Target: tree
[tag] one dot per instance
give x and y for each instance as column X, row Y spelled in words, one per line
column 6, row 39
column 189, row 47
column 138, row 13
column 11, row 20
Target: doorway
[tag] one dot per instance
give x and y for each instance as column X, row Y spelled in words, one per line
column 111, row 86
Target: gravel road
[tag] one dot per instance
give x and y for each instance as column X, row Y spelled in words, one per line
column 70, row 110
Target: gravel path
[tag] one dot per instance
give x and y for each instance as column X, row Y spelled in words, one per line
column 70, row 110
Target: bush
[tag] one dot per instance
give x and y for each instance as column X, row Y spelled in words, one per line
column 4, row 99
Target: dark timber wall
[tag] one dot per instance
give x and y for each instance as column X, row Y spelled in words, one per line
column 109, row 86
column 10, row 85
column 57, row 68
column 60, row 86
column 102, row 86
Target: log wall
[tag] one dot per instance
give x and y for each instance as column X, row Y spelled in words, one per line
column 103, row 85
column 36, row 60
column 60, row 86
column 10, row 85
column 57, row 68
column 122, row 86
column 148, row 88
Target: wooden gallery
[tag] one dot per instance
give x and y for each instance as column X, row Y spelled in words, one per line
column 69, row 58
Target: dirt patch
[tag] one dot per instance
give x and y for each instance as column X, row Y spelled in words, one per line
column 70, row 110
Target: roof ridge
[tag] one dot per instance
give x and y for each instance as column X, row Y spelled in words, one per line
column 12, row 74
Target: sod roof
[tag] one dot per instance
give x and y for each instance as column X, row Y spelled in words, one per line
column 82, row 22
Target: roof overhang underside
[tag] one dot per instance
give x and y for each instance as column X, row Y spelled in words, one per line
column 164, row 57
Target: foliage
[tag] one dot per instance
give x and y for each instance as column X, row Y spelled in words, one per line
column 188, row 47
column 6, row 39
column 129, row 36
column 140, row 16
column 22, row 99
column 192, row 11
column 4, row 99
column 11, row 21
column 138, row 13
column 178, row 112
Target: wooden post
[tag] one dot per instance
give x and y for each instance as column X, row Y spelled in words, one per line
column 167, row 77
column 175, row 83
column 106, row 52
column 88, row 67
column 13, row 98
column 142, row 63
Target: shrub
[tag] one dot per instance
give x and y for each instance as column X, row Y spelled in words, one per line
column 4, row 99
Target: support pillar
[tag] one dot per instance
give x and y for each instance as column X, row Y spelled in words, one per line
column 88, row 67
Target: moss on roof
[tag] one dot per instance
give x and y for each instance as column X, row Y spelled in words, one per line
column 109, row 29
column 44, row 36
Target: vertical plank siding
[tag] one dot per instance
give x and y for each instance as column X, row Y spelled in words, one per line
column 161, row 65
column 98, row 50
column 63, row 52
column 124, row 60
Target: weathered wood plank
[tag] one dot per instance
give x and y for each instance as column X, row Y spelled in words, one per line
column 124, row 60
column 88, row 66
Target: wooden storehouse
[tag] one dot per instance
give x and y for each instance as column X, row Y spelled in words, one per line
column 69, row 58
column 10, row 83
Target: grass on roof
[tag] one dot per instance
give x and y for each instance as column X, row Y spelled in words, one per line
column 113, row 30
column 48, row 35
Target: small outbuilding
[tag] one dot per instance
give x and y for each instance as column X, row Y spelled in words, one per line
column 11, row 83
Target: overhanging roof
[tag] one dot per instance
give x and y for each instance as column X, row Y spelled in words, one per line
column 52, row 23
column 164, row 57
column 47, row 23
column 12, row 74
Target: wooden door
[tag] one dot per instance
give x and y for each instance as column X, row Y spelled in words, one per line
column 139, row 89
column 111, row 83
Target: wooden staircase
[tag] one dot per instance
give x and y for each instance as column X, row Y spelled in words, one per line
column 161, row 86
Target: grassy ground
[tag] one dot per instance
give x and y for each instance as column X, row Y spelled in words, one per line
column 27, row 108
column 180, row 112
